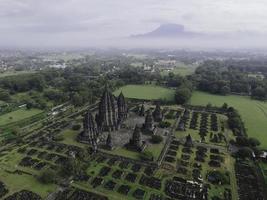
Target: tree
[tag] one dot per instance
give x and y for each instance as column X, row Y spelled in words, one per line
column 4, row 95
column 209, row 106
column 164, row 124
column 225, row 90
column 76, row 127
column 244, row 153
column 156, row 139
column 147, row 156
column 259, row 93
column 182, row 95
column 47, row 176
column 242, row 141
column 254, row 142
column 77, row 100
column 217, row 177
column 225, row 107
column 72, row 167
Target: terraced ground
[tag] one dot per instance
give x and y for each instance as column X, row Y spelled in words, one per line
column 253, row 112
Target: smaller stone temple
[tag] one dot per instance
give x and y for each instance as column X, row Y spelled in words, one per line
column 109, row 143
column 181, row 126
column 188, row 141
column 157, row 114
column 122, row 108
column 148, row 125
column 135, row 142
column 142, row 110
column 90, row 131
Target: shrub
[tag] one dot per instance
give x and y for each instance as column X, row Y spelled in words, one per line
column 147, row 156
column 217, row 177
column 76, row 127
column 244, row 153
column 164, row 124
column 58, row 138
column 182, row 95
column 156, row 139
column 47, row 176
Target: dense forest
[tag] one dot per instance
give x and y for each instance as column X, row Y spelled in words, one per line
column 225, row 77
column 77, row 85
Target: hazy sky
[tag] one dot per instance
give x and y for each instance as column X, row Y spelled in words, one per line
column 70, row 22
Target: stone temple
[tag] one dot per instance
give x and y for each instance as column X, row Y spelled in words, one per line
column 112, row 112
column 148, row 125
column 136, row 140
column 108, row 112
column 122, row 108
column 157, row 114
column 90, row 130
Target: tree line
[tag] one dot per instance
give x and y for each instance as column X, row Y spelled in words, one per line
column 225, row 77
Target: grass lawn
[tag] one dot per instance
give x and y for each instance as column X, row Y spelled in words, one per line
column 183, row 70
column 2, row 102
column 121, row 151
column 253, row 112
column 70, row 138
column 147, row 92
column 155, row 149
column 18, row 115
column 15, row 183
column 14, row 73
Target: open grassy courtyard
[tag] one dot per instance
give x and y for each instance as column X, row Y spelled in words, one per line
column 18, row 115
column 146, row 92
column 253, row 112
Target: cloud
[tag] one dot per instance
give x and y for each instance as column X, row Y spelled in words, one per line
column 79, row 21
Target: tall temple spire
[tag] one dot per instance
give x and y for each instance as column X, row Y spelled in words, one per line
column 90, row 130
column 142, row 110
column 122, row 108
column 108, row 111
column 188, row 141
column 136, row 140
column 109, row 143
column 157, row 114
column 148, row 125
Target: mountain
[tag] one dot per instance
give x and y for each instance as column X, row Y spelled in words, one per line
column 167, row 31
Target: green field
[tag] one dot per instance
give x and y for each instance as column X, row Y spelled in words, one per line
column 146, row 92
column 18, row 115
column 253, row 112
column 14, row 73
column 181, row 69
column 2, row 102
